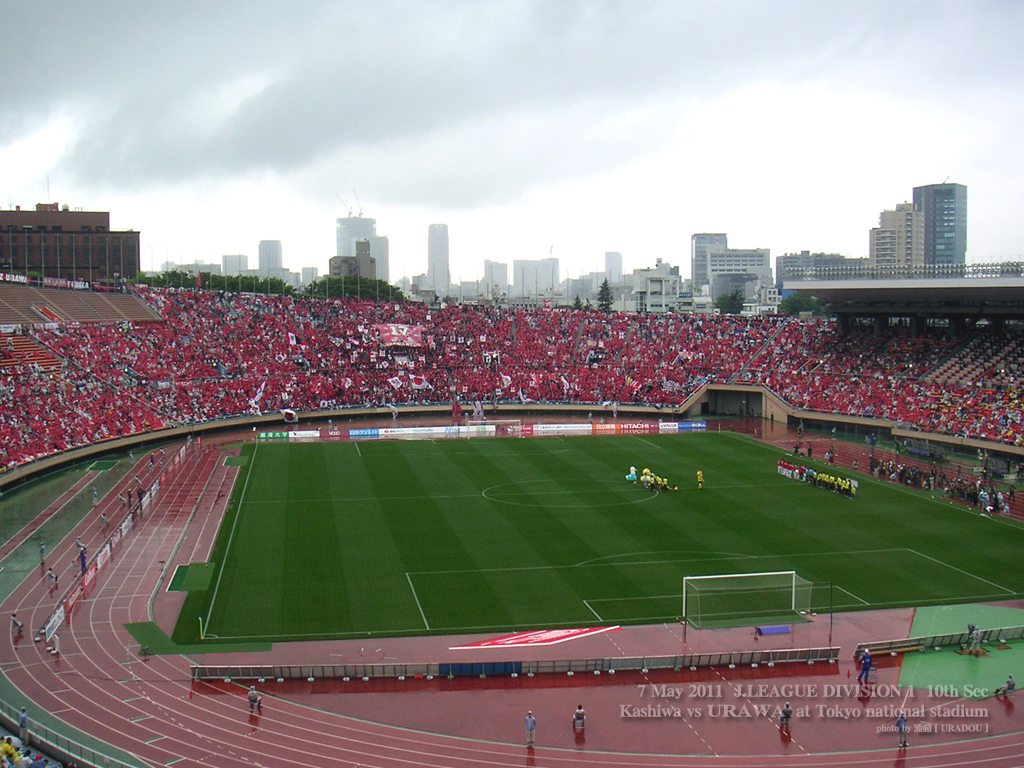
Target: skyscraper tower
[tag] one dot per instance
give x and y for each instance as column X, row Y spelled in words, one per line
column 438, row 276
column 613, row 267
column 270, row 258
column 945, row 222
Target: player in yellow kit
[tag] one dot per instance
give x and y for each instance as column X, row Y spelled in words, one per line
column 700, row 480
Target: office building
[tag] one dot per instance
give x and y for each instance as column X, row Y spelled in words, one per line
column 362, row 264
column 234, row 264
column 354, row 229
column 61, row 244
column 898, row 240
column 700, row 245
column 613, row 267
column 728, row 267
column 270, row 257
column 535, row 277
column 655, row 289
column 438, row 276
column 310, row 275
column 944, row 207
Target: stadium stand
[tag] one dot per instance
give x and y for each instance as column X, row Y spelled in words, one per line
column 215, row 356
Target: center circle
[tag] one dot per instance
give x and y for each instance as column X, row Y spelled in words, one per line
column 565, row 494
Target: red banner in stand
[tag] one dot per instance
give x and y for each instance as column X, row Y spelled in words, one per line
column 535, row 638
column 395, row 335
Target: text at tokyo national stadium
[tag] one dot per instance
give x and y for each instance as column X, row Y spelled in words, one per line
column 809, row 702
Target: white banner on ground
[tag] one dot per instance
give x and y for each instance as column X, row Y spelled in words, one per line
column 55, row 621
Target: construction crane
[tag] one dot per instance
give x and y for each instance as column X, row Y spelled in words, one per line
column 347, row 206
column 358, row 204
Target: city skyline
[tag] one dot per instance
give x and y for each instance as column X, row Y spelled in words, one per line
column 753, row 119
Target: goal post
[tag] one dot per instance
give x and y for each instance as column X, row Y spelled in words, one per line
column 738, row 599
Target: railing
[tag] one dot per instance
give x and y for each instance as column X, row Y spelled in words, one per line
column 931, row 271
column 938, row 641
column 456, row 669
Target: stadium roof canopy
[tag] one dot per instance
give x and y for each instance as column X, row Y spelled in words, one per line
column 985, row 296
column 958, row 292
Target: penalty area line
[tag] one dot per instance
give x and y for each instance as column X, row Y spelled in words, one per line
column 855, row 597
column 417, row 599
column 961, row 570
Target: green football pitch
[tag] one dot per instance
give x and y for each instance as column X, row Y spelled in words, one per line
column 340, row 540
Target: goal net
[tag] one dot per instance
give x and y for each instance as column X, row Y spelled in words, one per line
column 502, row 427
column 742, row 599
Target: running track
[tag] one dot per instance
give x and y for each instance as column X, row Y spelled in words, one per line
column 151, row 709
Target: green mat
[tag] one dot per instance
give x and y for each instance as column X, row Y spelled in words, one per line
column 952, row 675
column 190, row 578
column 149, row 636
column 236, row 461
column 102, row 465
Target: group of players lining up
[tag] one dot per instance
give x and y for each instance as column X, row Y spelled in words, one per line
column 832, row 483
column 841, row 485
column 653, row 482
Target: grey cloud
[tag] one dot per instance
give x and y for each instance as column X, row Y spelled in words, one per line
column 521, row 90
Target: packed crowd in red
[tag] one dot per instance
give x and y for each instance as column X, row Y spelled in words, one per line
column 219, row 356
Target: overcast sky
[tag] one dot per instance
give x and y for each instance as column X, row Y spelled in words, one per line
column 586, row 126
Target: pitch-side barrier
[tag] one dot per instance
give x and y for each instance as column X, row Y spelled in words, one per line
column 327, row 434
column 561, row 667
column 882, row 647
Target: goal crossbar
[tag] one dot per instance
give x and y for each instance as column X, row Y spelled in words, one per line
column 735, row 595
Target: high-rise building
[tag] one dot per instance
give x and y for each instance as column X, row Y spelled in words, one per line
column 700, row 245
column 234, row 264
column 310, row 275
column 438, row 276
column 270, row 257
column 63, row 244
column 353, row 229
column 732, row 266
column 495, row 280
column 944, row 207
column 613, row 267
column 898, row 240
column 535, row 277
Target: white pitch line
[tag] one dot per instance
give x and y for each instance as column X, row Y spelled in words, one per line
column 855, row 597
column 593, row 611
column 231, row 536
column 417, row 599
column 961, row 570
column 647, row 442
column 356, row 443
